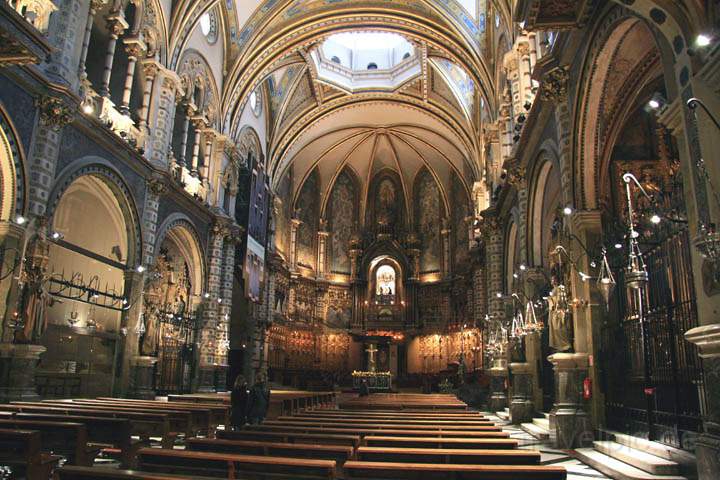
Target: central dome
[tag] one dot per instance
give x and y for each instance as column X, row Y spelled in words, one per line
column 366, row 60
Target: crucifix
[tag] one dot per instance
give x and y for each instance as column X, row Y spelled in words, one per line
column 371, row 351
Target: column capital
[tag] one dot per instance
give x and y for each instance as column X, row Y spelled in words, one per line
column 116, row 23
column 135, row 47
column 554, row 86
column 54, row 112
column 583, row 220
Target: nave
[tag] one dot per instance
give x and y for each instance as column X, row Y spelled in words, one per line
column 307, row 435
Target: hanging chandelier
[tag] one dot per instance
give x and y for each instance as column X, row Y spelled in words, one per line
column 532, row 324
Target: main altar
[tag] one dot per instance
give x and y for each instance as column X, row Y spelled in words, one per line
column 376, row 381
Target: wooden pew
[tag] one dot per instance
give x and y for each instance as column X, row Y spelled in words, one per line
column 437, row 442
column 290, row 437
column 406, row 407
column 382, row 425
column 109, row 434
column 449, row 455
column 384, row 421
column 69, row 439
column 144, row 425
column 376, row 431
column 429, row 471
column 225, row 465
column 21, row 451
column 200, row 398
column 408, row 415
column 219, row 412
column 340, row 454
column 182, row 421
column 103, row 473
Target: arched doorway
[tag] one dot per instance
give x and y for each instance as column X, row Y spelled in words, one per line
column 171, row 314
column 92, row 233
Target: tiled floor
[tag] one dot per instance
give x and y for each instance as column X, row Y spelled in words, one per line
column 549, row 455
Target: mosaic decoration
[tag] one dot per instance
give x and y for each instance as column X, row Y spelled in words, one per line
column 460, row 82
column 308, row 212
column 427, row 213
column 343, row 217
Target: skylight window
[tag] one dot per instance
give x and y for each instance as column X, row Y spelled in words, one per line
column 369, row 60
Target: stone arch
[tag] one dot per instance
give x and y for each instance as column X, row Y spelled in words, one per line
column 179, row 228
column 512, row 237
column 624, row 56
column 103, row 170
column 196, row 74
column 545, row 195
column 249, row 142
column 13, row 188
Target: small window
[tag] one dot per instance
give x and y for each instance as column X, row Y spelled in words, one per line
column 208, row 26
column 255, row 103
column 406, row 56
column 372, row 66
column 336, row 59
column 205, row 24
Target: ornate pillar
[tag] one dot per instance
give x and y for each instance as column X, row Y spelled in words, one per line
column 95, row 5
column 294, row 226
column 116, row 25
column 207, row 152
column 211, row 311
column 182, row 154
column 323, row 235
column 161, row 115
column 135, row 49
column 64, row 27
column 150, row 70
column 198, row 126
column 445, row 234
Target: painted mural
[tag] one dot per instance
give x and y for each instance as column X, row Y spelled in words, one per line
column 281, row 215
column 460, row 211
column 279, row 84
column 386, row 203
column 427, row 212
column 462, row 85
column 342, row 221
column 308, row 215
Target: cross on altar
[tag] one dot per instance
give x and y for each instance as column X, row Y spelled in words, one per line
column 371, row 351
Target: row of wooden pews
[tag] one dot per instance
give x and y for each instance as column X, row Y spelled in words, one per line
column 412, row 441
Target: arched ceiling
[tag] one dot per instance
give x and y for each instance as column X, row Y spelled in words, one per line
column 404, row 139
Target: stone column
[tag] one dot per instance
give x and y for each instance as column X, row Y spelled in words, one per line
column 116, row 25
column 182, row 154
column 198, row 125
column 323, row 235
column 445, row 235
column 95, row 5
column 65, row 26
column 521, row 405
column 570, row 425
column 135, row 49
column 225, row 308
column 207, row 151
column 498, row 388
column 161, row 115
column 150, row 70
column 208, row 333
column 294, row 226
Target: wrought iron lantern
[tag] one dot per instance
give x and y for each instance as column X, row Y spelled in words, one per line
column 606, row 280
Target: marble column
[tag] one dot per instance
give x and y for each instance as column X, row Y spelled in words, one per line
column 521, row 404
column 116, row 25
column 211, row 310
column 135, row 48
column 570, row 425
column 95, row 5
column 150, row 70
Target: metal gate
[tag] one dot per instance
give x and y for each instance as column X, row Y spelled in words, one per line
column 665, row 402
column 174, row 368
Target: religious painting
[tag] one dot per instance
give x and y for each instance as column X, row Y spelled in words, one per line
column 339, row 311
column 308, row 211
column 343, row 216
column 428, row 214
column 281, row 215
column 385, row 203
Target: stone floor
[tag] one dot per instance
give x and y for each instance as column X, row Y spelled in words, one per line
column 550, row 455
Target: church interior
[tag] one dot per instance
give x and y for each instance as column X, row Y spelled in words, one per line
column 380, row 239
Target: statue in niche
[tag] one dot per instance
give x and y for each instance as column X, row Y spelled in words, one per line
column 559, row 317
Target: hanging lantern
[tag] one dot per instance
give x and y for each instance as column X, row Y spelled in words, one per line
column 606, row 280
column 518, row 326
column 531, row 322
